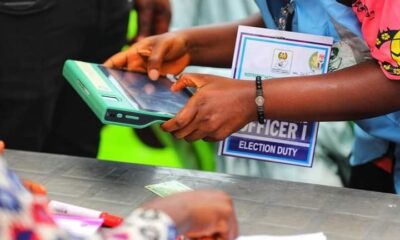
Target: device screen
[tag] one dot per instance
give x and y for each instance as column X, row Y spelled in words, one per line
column 154, row 96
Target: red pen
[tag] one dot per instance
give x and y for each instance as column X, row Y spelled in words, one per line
column 109, row 220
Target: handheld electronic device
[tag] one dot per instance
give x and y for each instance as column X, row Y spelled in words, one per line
column 124, row 98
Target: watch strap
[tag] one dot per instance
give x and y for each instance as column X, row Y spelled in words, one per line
column 260, row 100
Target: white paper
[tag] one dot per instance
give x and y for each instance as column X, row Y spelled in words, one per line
column 314, row 236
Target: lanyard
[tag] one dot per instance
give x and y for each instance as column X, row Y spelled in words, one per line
column 286, row 17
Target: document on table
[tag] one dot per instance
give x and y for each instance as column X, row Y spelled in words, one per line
column 168, row 188
column 276, row 54
column 314, row 236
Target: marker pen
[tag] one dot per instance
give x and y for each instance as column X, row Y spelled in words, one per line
column 61, row 208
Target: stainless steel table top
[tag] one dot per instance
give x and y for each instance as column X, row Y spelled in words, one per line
column 263, row 206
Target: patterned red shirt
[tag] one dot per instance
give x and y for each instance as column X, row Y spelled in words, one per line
column 380, row 20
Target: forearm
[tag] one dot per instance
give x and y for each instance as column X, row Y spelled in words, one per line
column 357, row 92
column 214, row 45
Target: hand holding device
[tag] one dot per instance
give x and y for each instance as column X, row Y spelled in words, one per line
column 220, row 107
column 157, row 55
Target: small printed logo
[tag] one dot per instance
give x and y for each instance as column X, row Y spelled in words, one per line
column 316, row 62
column 282, row 61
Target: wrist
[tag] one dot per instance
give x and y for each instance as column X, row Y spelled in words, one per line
column 189, row 44
column 197, row 46
column 248, row 96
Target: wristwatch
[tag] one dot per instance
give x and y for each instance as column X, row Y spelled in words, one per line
column 260, row 100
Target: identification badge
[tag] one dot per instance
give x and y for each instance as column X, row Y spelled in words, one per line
column 276, row 54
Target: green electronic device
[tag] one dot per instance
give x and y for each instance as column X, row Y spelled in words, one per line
column 124, row 98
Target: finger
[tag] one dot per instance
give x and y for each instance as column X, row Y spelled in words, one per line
column 225, row 227
column 223, row 230
column 223, row 223
column 184, row 132
column 187, row 80
column 191, row 132
column 156, row 60
column 215, row 137
column 210, row 139
column 119, row 60
column 144, row 52
column 196, row 135
column 136, row 58
column 145, row 11
column 182, row 119
column 233, row 227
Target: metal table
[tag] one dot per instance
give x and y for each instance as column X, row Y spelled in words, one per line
column 263, row 206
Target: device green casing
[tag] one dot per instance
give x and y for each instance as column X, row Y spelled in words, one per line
column 101, row 100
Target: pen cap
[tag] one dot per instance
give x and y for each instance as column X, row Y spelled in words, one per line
column 2, row 147
column 110, row 220
column 35, row 188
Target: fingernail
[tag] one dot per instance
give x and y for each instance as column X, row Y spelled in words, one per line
column 154, row 74
column 144, row 52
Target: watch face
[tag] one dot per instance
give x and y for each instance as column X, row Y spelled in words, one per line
column 260, row 100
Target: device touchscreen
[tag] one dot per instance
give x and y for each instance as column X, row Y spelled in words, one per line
column 149, row 95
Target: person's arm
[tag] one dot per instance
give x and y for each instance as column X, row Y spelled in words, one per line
column 214, row 45
column 154, row 17
column 222, row 106
column 357, row 92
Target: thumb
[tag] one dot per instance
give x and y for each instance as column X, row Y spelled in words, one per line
column 118, row 60
column 189, row 80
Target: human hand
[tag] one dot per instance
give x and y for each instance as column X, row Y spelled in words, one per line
column 157, row 55
column 200, row 214
column 154, row 17
column 220, row 107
